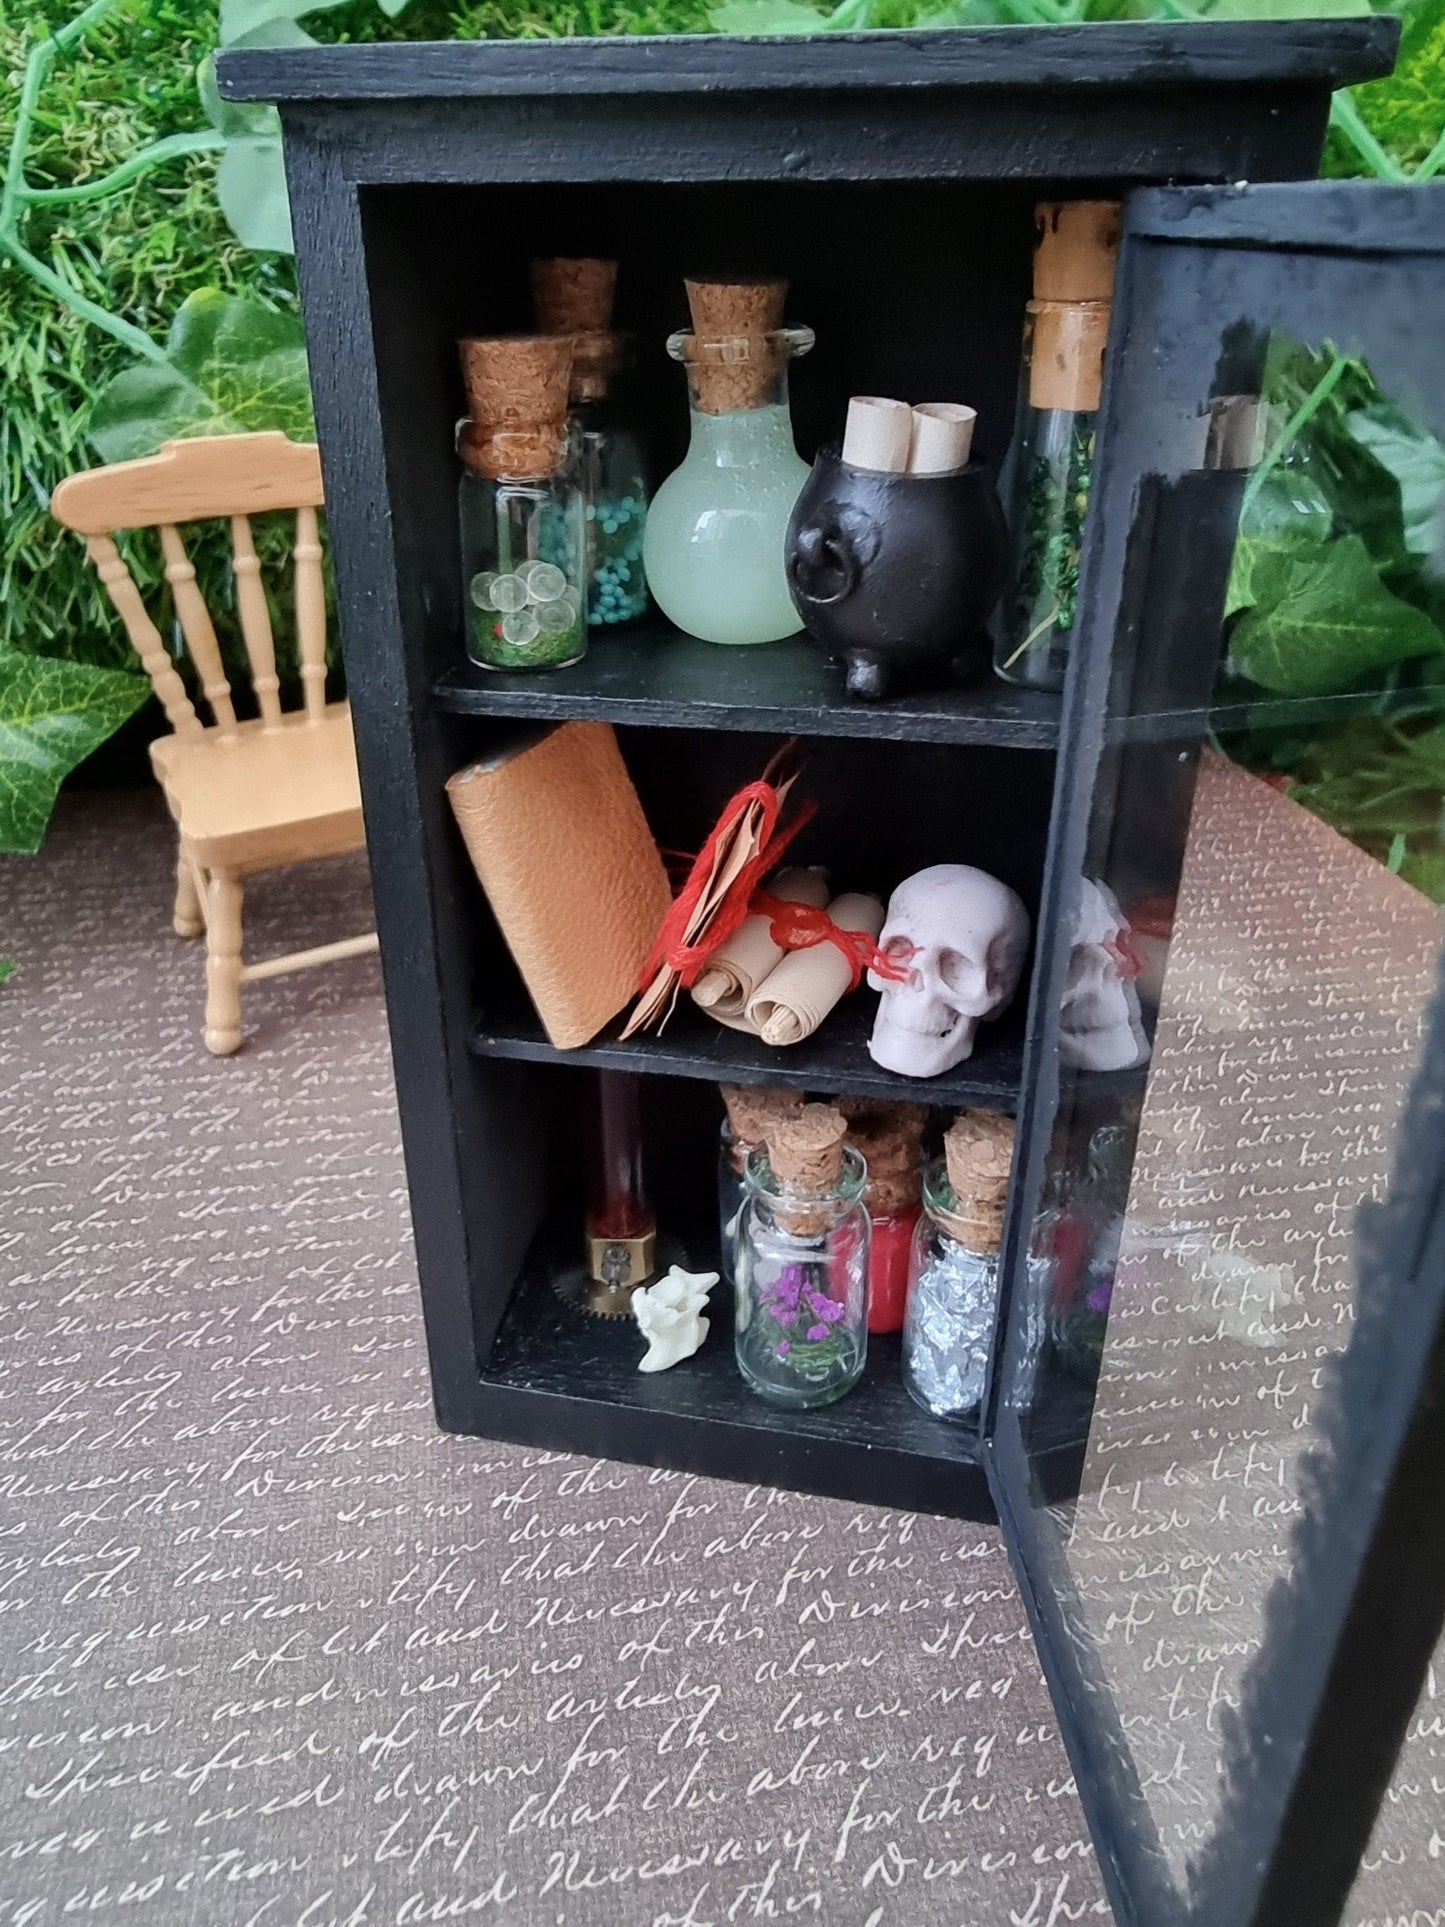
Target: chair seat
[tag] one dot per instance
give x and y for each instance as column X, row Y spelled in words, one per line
column 264, row 796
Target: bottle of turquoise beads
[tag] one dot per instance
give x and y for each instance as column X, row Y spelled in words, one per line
column 574, row 297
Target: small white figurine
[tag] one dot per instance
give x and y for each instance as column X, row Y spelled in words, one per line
column 669, row 1314
column 964, row 935
column 1100, row 1027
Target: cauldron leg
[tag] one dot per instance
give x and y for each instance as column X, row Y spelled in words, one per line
column 867, row 677
column 971, row 660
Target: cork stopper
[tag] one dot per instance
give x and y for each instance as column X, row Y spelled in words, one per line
column 889, row 1138
column 1076, row 249
column 733, row 358
column 753, row 1111
column 1066, row 364
column 573, row 296
column 517, row 388
column 806, row 1153
column 910, row 1120
column 806, row 1150
column 978, row 1151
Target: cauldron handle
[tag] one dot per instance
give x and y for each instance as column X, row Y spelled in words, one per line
column 816, row 552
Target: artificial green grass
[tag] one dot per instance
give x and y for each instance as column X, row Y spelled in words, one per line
column 139, row 253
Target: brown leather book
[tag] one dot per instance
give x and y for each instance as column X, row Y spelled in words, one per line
column 557, row 836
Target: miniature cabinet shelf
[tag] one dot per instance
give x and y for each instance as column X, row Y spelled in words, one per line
column 891, row 178
column 654, row 674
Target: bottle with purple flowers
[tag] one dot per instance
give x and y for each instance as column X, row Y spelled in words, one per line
column 802, row 1263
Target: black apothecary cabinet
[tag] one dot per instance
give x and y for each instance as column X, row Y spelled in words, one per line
column 1250, row 1449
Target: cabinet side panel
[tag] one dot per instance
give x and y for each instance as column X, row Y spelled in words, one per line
column 467, row 1127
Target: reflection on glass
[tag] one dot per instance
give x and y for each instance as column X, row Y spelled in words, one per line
column 1288, row 1027
column 1280, row 884
column 1100, row 1022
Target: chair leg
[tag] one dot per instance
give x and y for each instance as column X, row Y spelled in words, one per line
column 223, row 963
column 187, row 920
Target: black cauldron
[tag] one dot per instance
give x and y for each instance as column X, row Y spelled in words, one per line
column 897, row 574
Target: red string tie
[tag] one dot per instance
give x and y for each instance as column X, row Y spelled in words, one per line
column 801, row 926
column 689, row 960
column 1126, row 959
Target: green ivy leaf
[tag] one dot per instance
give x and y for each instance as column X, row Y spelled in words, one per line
column 1323, row 620
column 52, row 715
column 251, row 172
column 231, row 365
column 251, row 188
column 1416, row 460
column 148, row 404
column 244, row 20
column 765, row 17
column 1289, row 510
column 1426, row 870
column 7, row 966
column 1406, row 110
column 1285, row 9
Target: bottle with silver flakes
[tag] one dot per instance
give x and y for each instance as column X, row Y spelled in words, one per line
column 953, row 1273
column 523, row 512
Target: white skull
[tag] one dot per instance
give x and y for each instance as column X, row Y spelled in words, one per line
column 964, row 936
column 1100, row 1028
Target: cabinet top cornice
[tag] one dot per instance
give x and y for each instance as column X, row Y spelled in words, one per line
column 1114, row 56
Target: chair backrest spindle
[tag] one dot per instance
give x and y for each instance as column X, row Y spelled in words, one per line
column 255, row 621
column 219, row 477
column 198, row 629
column 144, row 636
column 311, row 613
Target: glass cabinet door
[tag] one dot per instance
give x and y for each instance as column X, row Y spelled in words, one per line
column 1213, row 1441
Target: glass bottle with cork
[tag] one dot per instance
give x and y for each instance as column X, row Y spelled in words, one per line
column 1052, row 458
column 716, row 531
column 522, row 512
column 752, row 1111
column 1079, row 1317
column 889, row 1138
column 954, row 1276
column 802, row 1263
column 573, row 296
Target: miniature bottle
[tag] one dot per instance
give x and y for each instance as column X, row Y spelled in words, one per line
column 714, row 546
column 1051, row 462
column 1079, row 1314
column 802, row 1263
column 523, row 514
column 574, row 297
column 751, row 1110
column 953, row 1286
column 889, row 1138
column 621, row 1229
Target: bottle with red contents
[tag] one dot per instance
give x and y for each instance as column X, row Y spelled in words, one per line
column 621, row 1229
column 889, row 1138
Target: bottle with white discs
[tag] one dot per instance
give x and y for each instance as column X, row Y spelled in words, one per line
column 523, row 512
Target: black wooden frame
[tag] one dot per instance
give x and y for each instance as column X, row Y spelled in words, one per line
column 1350, row 1631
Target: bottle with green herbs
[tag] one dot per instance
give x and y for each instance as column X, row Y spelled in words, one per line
column 1053, row 450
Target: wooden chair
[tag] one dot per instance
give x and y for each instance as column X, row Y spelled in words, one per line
column 246, row 796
